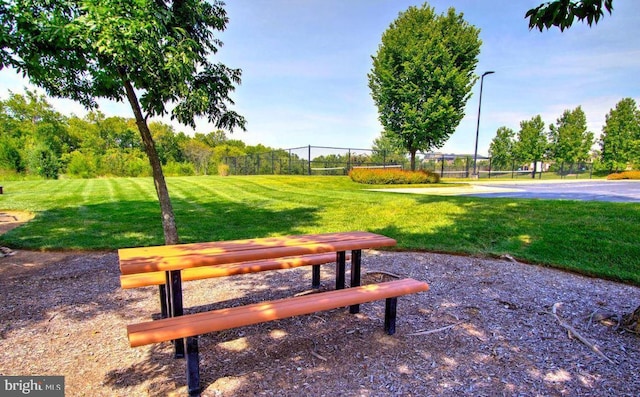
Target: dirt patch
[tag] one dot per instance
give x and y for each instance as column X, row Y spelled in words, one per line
column 20, row 260
column 484, row 328
column 12, row 219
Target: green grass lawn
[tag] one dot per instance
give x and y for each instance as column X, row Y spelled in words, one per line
column 593, row 238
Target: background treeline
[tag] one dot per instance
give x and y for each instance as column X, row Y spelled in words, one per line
column 568, row 143
column 36, row 140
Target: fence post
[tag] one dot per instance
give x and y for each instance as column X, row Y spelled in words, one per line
column 309, row 158
column 466, row 165
column 490, row 159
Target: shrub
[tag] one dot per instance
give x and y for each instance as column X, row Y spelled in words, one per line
column 392, row 176
column 81, row 165
column 44, row 162
column 174, row 168
column 624, row 175
column 223, row 170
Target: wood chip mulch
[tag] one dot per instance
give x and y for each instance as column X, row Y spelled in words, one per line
column 485, row 328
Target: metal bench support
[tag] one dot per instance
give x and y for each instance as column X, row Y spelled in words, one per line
column 356, row 260
column 193, row 366
column 315, row 277
column 162, row 289
column 175, row 287
column 390, row 305
column 341, row 259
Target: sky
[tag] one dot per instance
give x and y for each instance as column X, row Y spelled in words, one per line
column 305, row 63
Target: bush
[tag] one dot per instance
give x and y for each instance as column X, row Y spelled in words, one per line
column 223, row 170
column 624, row 175
column 81, row 165
column 43, row 162
column 174, row 168
column 392, row 176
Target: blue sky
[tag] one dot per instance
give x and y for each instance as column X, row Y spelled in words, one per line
column 305, row 66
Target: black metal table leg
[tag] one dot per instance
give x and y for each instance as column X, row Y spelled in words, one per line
column 315, row 277
column 175, row 297
column 356, row 261
column 162, row 290
column 341, row 259
column 390, row 315
column 193, row 366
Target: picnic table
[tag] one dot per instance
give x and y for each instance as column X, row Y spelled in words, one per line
column 141, row 266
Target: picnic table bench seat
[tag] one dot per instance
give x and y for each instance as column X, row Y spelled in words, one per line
column 188, row 327
column 168, row 329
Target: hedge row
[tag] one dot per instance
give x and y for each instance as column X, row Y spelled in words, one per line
column 624, row 175
column 392, row 176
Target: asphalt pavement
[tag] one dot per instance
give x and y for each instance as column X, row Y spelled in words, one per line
column 585, row 190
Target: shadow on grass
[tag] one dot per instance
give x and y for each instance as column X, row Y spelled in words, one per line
column 138, row 223
column 571, row 235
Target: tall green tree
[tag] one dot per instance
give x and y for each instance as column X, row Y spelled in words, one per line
column 569, row 140
column 531, row 143
column 563, row 13
column 151, row 53
column 620, row 139
column 501, row 149
column 422, row 77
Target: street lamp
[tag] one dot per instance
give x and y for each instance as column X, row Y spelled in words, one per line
column 475, row 153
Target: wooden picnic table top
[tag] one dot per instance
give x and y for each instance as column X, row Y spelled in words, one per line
column 184, row 256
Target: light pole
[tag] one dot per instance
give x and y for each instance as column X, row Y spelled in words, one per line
column 475, row 153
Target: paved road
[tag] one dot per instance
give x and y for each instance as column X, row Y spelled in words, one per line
column 592, row 190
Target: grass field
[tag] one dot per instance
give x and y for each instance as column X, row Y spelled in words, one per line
column 593, row 238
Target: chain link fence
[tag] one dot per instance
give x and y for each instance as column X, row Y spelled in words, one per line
column 324, row 160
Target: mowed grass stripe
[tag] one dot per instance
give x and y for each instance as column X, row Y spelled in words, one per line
column 595, row 238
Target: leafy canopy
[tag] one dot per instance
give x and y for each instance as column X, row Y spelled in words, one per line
column 620, row 139
column 531, row 142
column 562, row 13
column 501, row 149
column 90, row 49
column 422, row 76
column 569, row 139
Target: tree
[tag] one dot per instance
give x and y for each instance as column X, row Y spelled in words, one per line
column 501, row 148
column 199, row 154
column 531, row 144
column 213, row 138
column 35, row 133
column 569, row 140
column 150, row 52
column 384, row 151
column 562, row 13
column 620, row 137
column 422, row 77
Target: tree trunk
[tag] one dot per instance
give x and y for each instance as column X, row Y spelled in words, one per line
column 535, row 169
column 413, row 159
column 168, row 218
